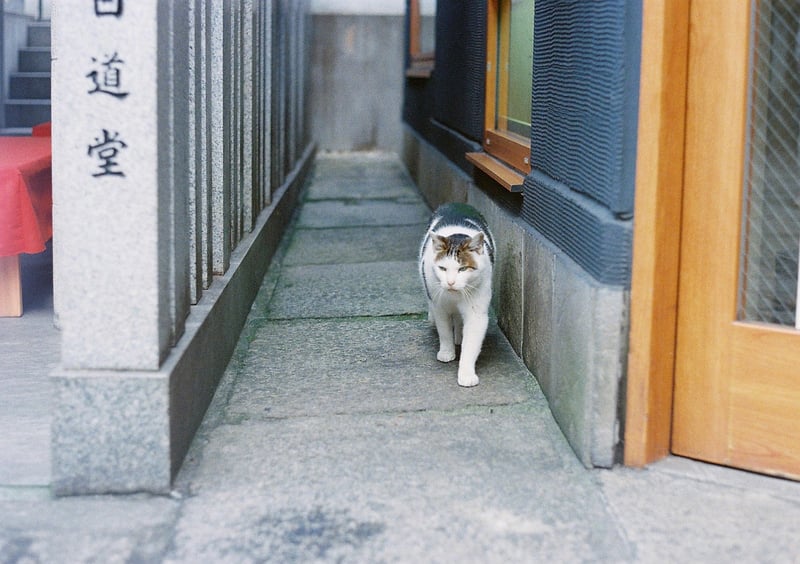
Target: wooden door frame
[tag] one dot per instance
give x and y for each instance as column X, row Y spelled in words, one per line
column 656, row 230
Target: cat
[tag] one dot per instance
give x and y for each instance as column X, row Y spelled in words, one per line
column 455, row 261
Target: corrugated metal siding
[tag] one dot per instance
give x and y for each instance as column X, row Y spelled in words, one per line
column 460, row 62
column 583, row 140
column 583, row 92
column 586, row 231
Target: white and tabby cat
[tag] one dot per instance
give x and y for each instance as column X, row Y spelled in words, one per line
column 455, row 263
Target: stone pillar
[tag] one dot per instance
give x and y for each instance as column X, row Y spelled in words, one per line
column 157, row 179
column 264, row 100
column 175, row 114
column 202, row 155
column 220, row 192
column 113, row 197
column 249, row 205
column 120, row 253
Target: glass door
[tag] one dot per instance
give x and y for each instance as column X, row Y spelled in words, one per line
column 737, row 376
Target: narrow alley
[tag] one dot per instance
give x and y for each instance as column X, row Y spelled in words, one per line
column 335, row 435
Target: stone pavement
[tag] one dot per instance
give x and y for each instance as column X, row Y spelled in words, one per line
column 29, row 351
column 335, row 436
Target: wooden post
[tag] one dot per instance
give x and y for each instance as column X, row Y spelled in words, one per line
column 10, row 287
column 656, row 233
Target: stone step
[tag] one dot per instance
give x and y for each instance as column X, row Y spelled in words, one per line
column 34, row 59
column 39, row 34
column 29, row 86
column 26, row 113
column 15, row 131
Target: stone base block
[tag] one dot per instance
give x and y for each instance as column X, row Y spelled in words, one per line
column 431, row 171
column 111, row 433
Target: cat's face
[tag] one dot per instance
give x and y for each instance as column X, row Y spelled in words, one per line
column 457, row 260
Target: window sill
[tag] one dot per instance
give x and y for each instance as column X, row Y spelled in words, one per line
column 421, row 66
column 504, row 175
column 419, row 71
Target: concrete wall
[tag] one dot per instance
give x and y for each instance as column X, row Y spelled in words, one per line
column 569, row 330
column 357, row 74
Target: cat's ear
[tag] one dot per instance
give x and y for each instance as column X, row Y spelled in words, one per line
column 476, row 243
column 439, row 243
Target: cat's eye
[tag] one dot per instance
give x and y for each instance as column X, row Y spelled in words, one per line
column 443, row 269
column 465, row 268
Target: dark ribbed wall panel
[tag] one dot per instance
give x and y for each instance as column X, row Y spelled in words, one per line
column 583, row 229
column 452, row 144
column 459, row 71
column 585, row 97
column 417, row 105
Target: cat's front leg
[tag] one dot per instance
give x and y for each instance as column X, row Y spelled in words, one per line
column 458, row 326
column 444, row 327
column 474, row 331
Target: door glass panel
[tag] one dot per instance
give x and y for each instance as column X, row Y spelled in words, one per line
column 771, row 216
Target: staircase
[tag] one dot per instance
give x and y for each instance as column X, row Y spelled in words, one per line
column 28, row 101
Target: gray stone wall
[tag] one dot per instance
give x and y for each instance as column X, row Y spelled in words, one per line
column 570, row 330
column 357, row 73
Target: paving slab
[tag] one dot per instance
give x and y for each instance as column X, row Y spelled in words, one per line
column 26, row 447
column 344, row 245
column 29, row 350
column 710, row 520
column 365, row 366
column 478, row 485
column 348, row 290
column 89, row 529
column 347, row 213
column 373, row 188
column 386, row 166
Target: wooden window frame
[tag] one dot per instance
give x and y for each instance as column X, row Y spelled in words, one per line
column 505, row 156
column 420, row 63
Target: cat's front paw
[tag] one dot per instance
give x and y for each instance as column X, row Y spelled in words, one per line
column 467, row 379
column 445, row 355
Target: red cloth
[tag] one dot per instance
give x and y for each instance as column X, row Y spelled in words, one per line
column 41, row 130
column 26, row 195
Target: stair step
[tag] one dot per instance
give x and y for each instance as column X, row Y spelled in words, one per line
column 15, row 132
column 34, row 59
column 39, row 34
column 29, row 85
column 26, row 113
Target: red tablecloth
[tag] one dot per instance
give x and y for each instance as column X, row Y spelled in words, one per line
column 26, row 195
column 41, row 130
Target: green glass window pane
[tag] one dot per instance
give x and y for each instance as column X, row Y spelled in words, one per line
column 427, row 35
column 514, row 109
